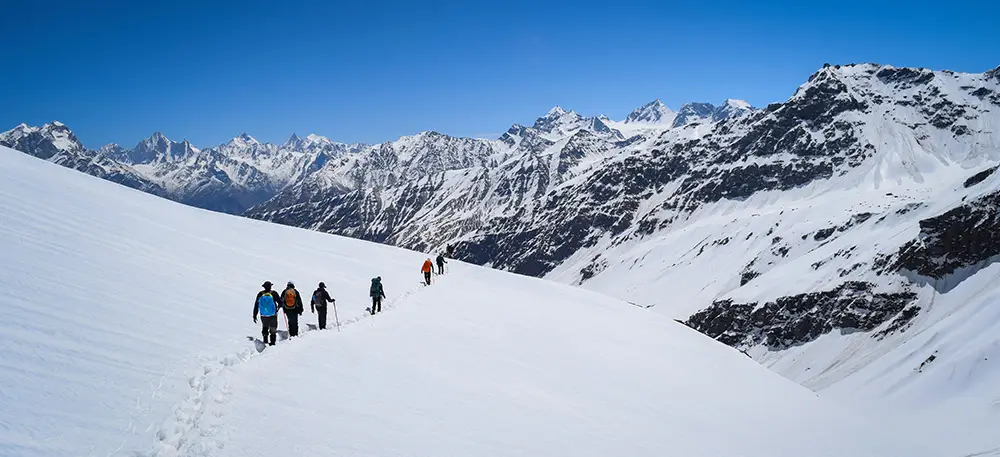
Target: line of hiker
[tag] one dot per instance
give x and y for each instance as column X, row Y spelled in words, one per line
column 268, row 302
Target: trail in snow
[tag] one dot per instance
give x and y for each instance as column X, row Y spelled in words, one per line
column 187, row 433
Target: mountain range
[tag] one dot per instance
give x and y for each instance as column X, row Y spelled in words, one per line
column 827, row 227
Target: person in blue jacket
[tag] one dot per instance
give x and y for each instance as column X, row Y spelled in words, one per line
column 266, row 304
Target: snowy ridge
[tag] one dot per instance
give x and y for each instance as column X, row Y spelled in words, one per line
column 162, row 376
column 814, row 217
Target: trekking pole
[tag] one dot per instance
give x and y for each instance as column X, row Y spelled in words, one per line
column 335, row 315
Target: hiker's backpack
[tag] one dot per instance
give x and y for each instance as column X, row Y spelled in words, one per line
column 376, row 290
column 290, row 299
column 266, row 305
column 318, row 298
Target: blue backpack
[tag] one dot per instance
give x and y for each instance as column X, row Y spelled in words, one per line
column 266, row 305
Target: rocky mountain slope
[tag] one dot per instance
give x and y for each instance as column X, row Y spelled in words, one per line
column 848, row 209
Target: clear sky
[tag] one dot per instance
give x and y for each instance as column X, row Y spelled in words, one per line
column 372, row 71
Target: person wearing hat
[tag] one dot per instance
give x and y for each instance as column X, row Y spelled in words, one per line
column 266, row 304
column 291, row 302
column 319, row 300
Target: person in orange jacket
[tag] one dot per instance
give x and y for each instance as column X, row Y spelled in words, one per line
column 427, row 268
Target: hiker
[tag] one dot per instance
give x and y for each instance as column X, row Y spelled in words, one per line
column 292, row 304
column 266, row 304
column 427, row 269
column 319, row 300
column 377, row 295
column 450, row 250
column 441, row 262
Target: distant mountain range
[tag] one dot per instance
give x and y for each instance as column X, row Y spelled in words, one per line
column 244, row 172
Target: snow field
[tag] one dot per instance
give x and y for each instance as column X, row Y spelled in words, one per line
column 128, row 335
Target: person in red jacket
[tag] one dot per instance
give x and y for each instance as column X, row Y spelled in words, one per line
column 427, row 269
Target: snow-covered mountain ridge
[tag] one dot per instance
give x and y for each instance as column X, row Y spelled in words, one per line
column 244, row 172
column 230, row 177
column 823, row 228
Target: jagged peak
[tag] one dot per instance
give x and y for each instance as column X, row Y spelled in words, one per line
column 246, row 137
column 738, row 104
column 556, row 111
column 697, row 107
column 652, row 113
column 156, row 137
column 515, row 129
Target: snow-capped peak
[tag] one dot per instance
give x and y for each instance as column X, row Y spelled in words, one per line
column 654, row 112
column 244, row 140
column 314, row 138
column 293, row 142
column 555, row 111
column 156, row 137
column 738, row 104
column 159, row 148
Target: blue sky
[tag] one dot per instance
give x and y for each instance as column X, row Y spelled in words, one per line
column 373, row 71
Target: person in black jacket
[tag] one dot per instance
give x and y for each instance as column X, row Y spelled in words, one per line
column 377, row 295
column 291, row 302
column 319, row 300
column 441, row 261
column 268, row 309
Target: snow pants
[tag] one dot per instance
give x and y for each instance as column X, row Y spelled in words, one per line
column 293, row 323
column 269, row 329
column 440, row 268
column 322, row 316
column 427, row 277
column 376, row 305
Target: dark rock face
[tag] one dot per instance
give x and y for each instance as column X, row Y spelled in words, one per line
column 801, row 318
column 963, row 238
column 979, row 177
column 993, row 74
column 905, row 77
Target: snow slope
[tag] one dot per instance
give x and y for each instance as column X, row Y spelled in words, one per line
column 127, row 330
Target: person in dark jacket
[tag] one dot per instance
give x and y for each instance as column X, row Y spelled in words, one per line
column 291, row 302
column 319, row 301
column 441, row 262
column 377, row 295
column 266, row 304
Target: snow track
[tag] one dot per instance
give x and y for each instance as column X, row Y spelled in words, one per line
column 194, row 428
